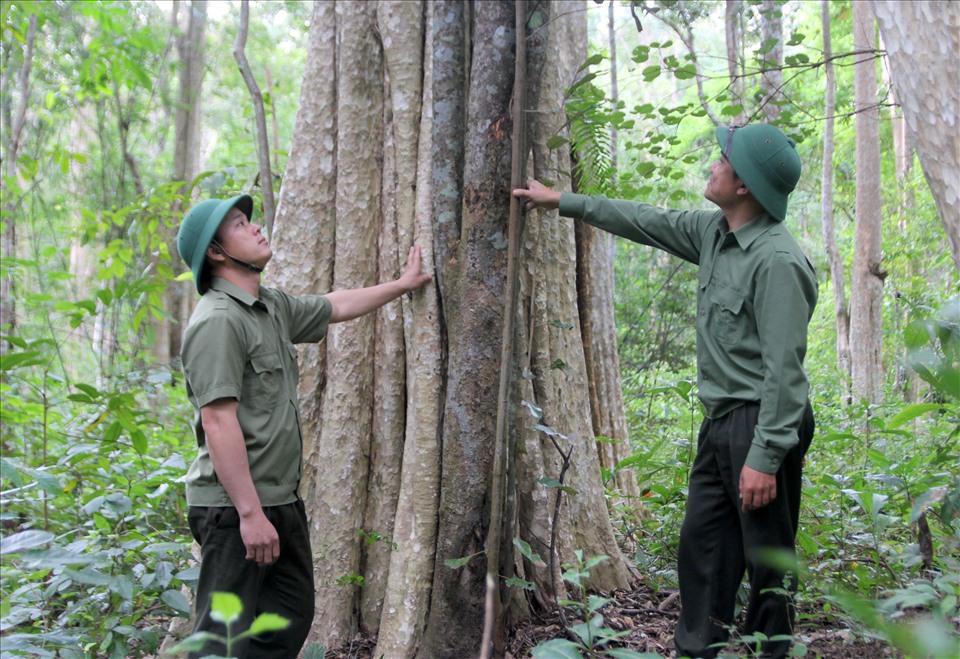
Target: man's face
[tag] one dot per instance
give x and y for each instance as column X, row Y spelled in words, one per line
column 243, row 240
column 723, row 183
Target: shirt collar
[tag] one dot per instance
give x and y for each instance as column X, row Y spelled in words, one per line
column 749, row 232
column 237, row 293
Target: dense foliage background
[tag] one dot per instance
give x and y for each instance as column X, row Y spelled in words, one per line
column 96, row 433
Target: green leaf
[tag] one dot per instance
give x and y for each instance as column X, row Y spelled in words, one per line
column 315, row 651
column 651, row 73
column 557, row 648
column 267, row 622
column 456, row 563
column 911, row 412
column 176, row 601
column 24, row 540
column 225, row 608
column 516, row 582
column 557, row 141
column 685, row 72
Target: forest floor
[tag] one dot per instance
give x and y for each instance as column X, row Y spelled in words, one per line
column 650, row 616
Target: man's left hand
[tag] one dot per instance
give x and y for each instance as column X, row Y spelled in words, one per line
column 412, row 277
column 757, row 489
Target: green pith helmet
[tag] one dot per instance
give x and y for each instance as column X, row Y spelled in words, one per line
column 765, row 160
column 198, row 227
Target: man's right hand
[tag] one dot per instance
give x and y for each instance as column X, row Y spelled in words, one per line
column 260, row 538
column 537, row 195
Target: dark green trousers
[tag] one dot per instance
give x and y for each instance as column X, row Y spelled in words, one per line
column 284, row 588
column 719, row 542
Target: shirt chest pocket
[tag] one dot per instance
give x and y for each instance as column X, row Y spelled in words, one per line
column 262, row 380
column 727, row 315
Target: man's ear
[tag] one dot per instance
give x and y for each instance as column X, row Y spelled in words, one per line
column 742, row 189
column 215, row 253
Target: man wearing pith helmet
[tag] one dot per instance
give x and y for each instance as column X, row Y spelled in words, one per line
column 240, row 367
column 756, row 294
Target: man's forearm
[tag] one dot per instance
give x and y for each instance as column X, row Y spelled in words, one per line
column 347, row 305
column 228, row 453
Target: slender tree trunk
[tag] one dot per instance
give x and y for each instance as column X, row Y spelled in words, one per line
column 771, row 80
column 866, row 295
column 923, row 45
column 186, row 162
column 829, row 236
column 256, row 98
column 733, row 17
column 8, row 241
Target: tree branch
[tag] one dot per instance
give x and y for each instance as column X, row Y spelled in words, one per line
column 263, row 145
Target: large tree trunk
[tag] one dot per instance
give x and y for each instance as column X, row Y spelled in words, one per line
column 923, row 43
column 866, row 294
column 829, row 236
column 406, row 135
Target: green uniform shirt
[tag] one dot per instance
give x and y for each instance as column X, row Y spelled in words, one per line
column 756, row 295
column 238, row 346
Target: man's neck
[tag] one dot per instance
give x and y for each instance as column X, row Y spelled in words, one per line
column 245, row 280
column 742, row 214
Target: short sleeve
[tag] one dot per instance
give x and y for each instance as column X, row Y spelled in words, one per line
column 213, row 357
column 308, row 316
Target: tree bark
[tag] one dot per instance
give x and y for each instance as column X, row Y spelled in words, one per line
column 829, row 236
column 923, row 45
column 771, row 79
column 398, row 408
column 8, row 246
column 186, row 161
column 733, row 11
column 866, row 294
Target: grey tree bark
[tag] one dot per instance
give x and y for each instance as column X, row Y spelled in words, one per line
column 403, row 137
column 866, row 292
column 829, row 235
column 922, row 38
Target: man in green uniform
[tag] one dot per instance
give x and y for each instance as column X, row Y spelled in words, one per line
column 241, row 373
column 756, row 294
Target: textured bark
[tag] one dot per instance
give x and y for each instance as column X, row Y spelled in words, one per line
column 379, row 162
column 401, row 30
column 345, row 436
column 412, row 563
column 829, row 235
column 474, row 316
column 771, row 29
column 923, row 44
column 866, row 293
column 563, row 393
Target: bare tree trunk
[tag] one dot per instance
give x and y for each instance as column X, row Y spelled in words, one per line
column 186, row 162
column 923, row 45
column 771, row 80
column 345, row 436
column 474, row 315
column 829, row 237
column 411, row 567
column 733, row 16
column 263, row 144
column 866, row 338
column 386, row 398
column 8, row 246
